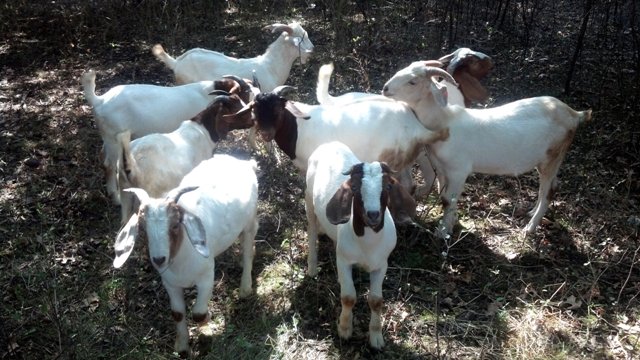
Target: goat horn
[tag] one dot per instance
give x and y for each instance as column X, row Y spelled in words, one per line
column 244, row 109
column 431, row 71
column 142, row 195
column 447, row 58
column 255, row 81
column 434, row 63
column 386, row 168
column 244, row 87
column 219, row 93
column 221, row 98
column 282, row 90
column 279, row 28
column 175, row 197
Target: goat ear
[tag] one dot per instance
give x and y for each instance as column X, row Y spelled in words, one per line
column 401, row 204
column 125, row 240
column 338, row 209
column 295, row 111
column 471, row 88
column 439, row 92
column 196, row 233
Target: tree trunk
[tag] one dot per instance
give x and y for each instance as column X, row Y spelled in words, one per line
column 576, row 53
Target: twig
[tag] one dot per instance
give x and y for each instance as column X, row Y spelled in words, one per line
column 633, row 262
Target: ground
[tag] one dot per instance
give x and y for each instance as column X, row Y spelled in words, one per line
column 569, row 291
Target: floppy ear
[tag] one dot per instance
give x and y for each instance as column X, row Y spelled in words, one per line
column 196, row 233
column 401, row 204
column 125, row 240
column 440, row 93
column 339, row 207
column 471, row 88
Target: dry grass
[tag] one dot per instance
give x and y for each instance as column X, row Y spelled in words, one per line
column 571, row 291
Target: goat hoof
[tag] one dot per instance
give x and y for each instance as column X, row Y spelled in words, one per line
column 376, row 341
column 345, row 332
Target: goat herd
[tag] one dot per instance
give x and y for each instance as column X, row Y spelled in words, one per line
column 171, row 188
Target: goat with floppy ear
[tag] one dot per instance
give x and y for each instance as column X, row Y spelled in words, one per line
column 272, row 67
column 504, row 140
column 214, row 205
column 350, row 201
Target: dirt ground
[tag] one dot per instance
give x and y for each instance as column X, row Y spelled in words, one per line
column 569, row 291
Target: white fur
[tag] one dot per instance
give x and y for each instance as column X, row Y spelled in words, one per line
column 426, row 167
column 368, row 127
column 141, row 110
column 225, row 205
column 370, row 251
column 271, row 68
column 158, row 162
column 505, row 140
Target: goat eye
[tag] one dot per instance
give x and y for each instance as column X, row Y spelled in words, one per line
column 388, row 187
column 412, row 82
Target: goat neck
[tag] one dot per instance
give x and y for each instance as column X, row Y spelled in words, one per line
column 278, row 54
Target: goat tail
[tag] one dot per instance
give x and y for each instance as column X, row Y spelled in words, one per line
column 88, row 81
column 160, row 54
column 322, row 88
column 125, row 163
column 584, row 116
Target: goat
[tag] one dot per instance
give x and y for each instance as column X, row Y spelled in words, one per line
column 298, row 129
column 157, row 162
column 352, row 203
column 271, row 68
column 506, row 140
column 466, row 66
column 146, row 109
column 215, row 204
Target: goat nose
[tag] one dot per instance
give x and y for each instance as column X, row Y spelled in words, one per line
column 385, row 89
column 159, row 260
column 373, row 215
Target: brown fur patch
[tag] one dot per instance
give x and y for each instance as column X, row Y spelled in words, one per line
column 175, row 229
column 200, row 318
column 358, row 207
column 401, row 204
column 177, row 316
column 396, row 158
column 560, row 148
column 347, row 301
column 375, row 304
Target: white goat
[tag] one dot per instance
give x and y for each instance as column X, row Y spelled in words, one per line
column 214, row 205
column 352, row 203
column 271, row 68
column 157, row 162
column 505, row 140
column 375, row 130
column 467, row 68
column 145, row 109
